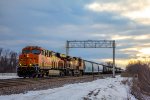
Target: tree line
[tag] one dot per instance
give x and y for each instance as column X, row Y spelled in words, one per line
column 8, row 61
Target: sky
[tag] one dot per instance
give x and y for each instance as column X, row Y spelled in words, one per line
column 50, row 23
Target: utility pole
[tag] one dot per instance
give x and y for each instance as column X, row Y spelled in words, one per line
column 93, row 71
column 114, row 58
column 67, row 48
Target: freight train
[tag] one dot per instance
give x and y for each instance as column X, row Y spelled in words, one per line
column 35, row 61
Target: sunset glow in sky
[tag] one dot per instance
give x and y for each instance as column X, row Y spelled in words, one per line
column 145, row 51
column 49, row 23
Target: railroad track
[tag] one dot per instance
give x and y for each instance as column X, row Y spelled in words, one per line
column 20, row 85
column 21, row 81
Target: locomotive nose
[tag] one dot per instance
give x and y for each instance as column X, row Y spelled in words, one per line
column 25, row 56
column 26, row 60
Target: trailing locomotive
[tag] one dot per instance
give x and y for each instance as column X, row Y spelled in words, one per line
column 35, row 61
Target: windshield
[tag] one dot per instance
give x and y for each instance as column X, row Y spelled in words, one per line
column 36, row 51
column 25, row 51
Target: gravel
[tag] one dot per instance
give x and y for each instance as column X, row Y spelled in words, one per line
column 44, row 84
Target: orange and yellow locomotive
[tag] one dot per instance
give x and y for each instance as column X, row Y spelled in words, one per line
column 35, row 61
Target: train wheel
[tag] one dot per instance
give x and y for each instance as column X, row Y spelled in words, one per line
column 39, row 75
column 81, row 73
column 47, row 73
column 61, row 74
column 42, row 75
column 71, row 73
column 34, row 75
column 24, row 77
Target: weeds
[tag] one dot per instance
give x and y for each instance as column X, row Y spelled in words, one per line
column 140, row 72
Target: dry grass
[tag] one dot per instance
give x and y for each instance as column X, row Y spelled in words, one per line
column 140, row 71
column 125, row 81
column 125, row 74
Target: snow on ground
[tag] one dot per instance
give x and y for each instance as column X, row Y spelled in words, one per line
column 8, row 75
column 101, row 89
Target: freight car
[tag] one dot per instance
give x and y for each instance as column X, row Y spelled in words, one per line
column 35, row 61
column 96, row 68
column 109, row 69
column 99, row 68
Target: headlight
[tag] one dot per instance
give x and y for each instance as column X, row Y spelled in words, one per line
column 30, row 64
column 20, row 64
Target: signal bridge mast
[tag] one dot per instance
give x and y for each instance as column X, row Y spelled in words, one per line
column 93, row 44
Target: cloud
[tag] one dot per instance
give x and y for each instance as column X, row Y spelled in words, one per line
column 129, row 49
column 102, row 7
column 131, row 9
column 139, row 37
column 117, row 37
column 144, row 52
column 50, row 23
column 119, row 62
column 4, row 29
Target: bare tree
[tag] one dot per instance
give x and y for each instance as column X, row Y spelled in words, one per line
column 141, row 83
column 133, row 67
column 109, row 63
column 1, row 49
column 8, row 60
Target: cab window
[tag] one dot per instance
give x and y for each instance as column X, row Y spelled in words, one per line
column 26, row 51
column 36, row 51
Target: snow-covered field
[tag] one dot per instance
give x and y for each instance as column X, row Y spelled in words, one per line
column 8, row 75
column 101, row 89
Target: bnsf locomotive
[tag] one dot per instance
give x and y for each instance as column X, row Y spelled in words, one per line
column 35, row 61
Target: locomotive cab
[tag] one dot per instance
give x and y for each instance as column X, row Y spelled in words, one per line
column 29, row 57
column 28, row 61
